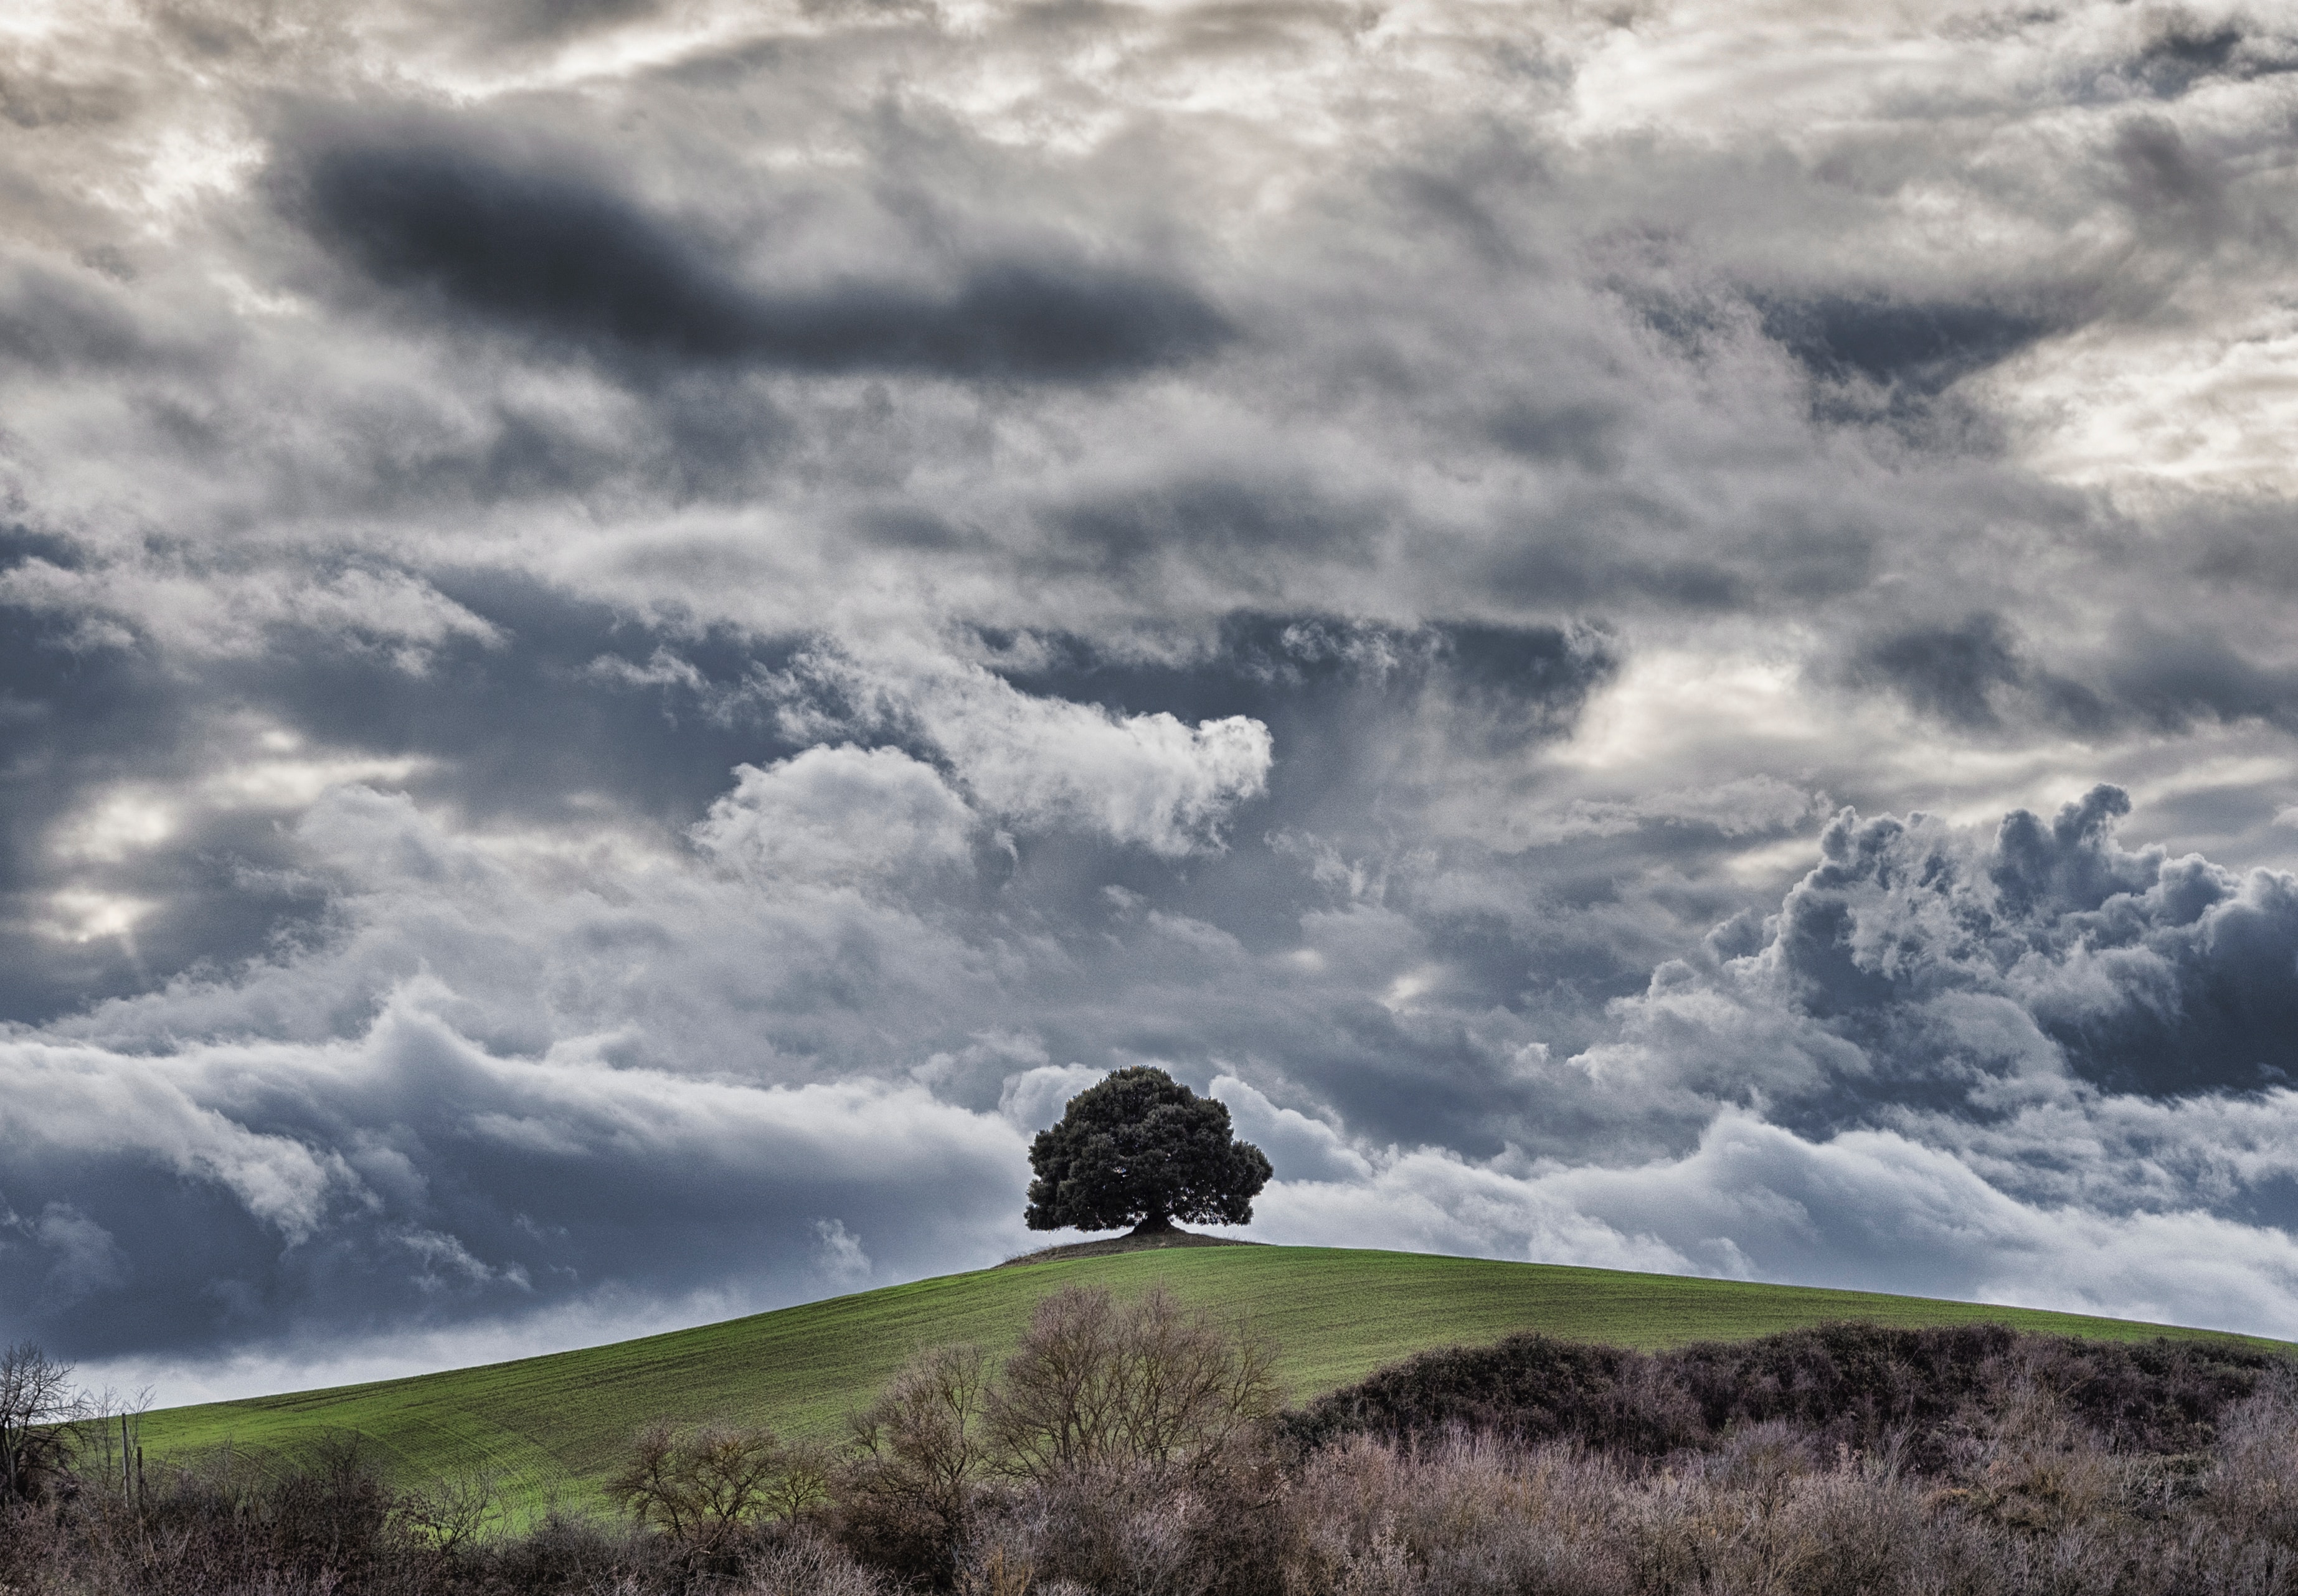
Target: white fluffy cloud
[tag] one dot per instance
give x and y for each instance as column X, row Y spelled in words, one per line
column 1145, row 781
column 840, row 816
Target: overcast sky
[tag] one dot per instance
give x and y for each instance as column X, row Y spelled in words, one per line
column 637, row 633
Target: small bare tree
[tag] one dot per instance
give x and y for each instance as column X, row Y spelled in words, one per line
column 701, row 1485
column 37, row 1399
column 800, row 1483
column 1060, row 1405
column 921, row 1448
column 1149, row 1382
column 457, row 1510
column 1193, row 1388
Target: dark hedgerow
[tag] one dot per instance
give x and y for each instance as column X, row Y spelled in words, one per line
column 1844, row 1384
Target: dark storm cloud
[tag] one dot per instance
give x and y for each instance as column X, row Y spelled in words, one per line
column 2173, row 679
column 2185, row 50
column 1976, row 673
column 659, row 741
column 1979, row 673
column 1256, row 661
column 1954, row 671
column 1581, row 433
column 1922, row 348
column 417, row 1176
column 1224, row 524
column 2168, row 181
column 2148, row 974
column 556, row 18
column 56, row 320
column 551, row 250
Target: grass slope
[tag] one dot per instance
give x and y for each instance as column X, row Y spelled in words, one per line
column 555, row 1424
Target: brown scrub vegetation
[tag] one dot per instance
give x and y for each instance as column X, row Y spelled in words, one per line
column 1133, row 1448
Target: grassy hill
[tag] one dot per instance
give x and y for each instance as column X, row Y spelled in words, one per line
column 555, row 1424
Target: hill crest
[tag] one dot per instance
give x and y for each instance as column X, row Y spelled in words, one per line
column 554, row 1424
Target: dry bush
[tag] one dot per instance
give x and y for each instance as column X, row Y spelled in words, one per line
column 1141, row 1527
column 37, row 1402
column 906, row 1497
column 1126, row 1452
column 1124, row 1418
column 807, row 1565
column 1528, row 1388
column 236, row 1531
column 320, row 1521
column 1058, row 1408
column 1465, row 1514
column 2253, row 1491
column 1094, row 1383
column 455, row 1510
column 701, row 1486
column 1777, row 1510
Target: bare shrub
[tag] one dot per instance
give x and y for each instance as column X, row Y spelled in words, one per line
column 807, row 1565
column 1144, row 1527
column 319, row 1519
column 565, row 1551
column 1465, row 1514
column 702, row 1485
column 2030, row 1465
column 456, row 1510
column 1126, row 1452
column 1130, row 1421
column 2254, row 1489
column 320, row 1523
column 1094, row 1383
column 906, row 1496
column 799, row 1488
column 37, row 1401
column 1845, row 1529
column 1528, row 1388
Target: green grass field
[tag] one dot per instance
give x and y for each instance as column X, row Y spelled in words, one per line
column 555, row 1425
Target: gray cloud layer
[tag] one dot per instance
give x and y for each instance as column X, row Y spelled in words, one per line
column 637, row 633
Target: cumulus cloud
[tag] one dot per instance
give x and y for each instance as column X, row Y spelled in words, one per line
column 838, row 816
column 1145, row 780
column 2048, row 948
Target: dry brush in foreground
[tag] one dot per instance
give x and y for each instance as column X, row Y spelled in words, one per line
column 1135, row 1450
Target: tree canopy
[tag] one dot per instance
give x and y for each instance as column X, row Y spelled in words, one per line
column 1141, row 1149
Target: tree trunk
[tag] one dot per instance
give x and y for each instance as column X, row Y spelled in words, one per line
column 1156, row 1224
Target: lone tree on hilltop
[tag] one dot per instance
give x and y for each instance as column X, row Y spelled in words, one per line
column 1142, row 1149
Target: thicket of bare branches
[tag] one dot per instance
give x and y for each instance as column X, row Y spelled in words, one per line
column 37, row 1400
column 1096, row 1390
column 701, row 1485
column 1095, row 1382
